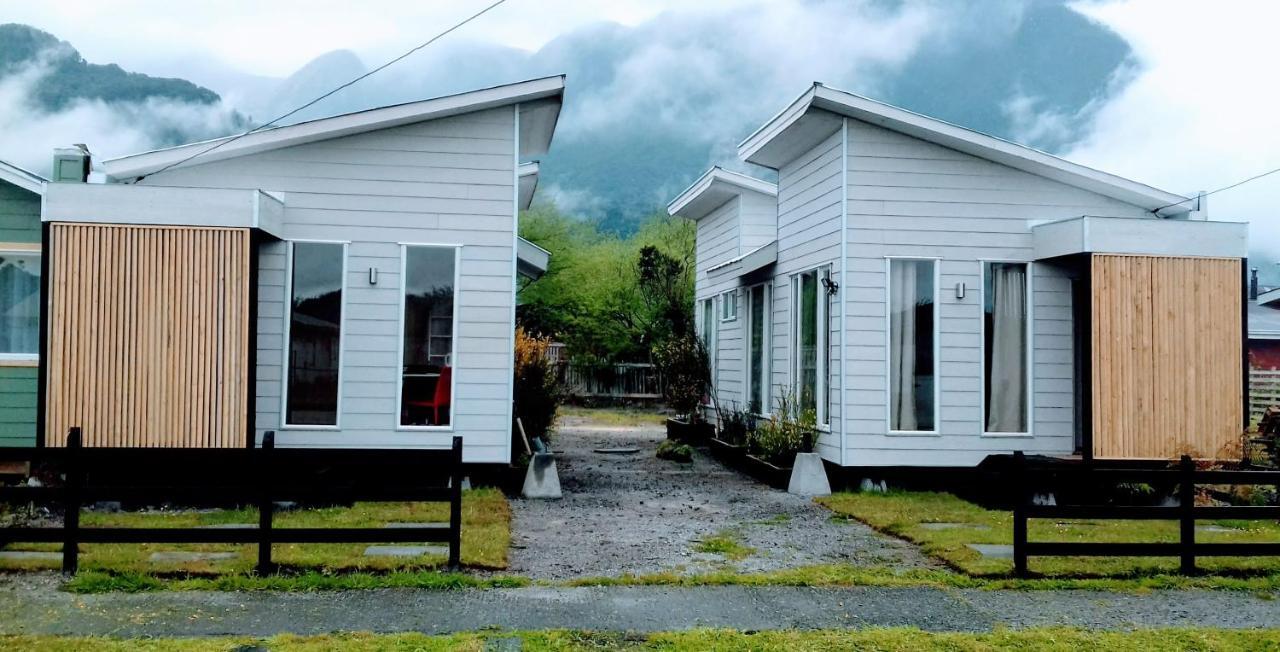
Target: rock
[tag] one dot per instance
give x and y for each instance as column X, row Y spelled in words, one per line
column 808, row 476
column 871, row 486
column 1044, row 500
column 109, row 506
column 542, row 480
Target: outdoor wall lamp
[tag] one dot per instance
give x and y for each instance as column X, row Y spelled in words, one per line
column 373, row 276
column 960, row 290
column 830, row 285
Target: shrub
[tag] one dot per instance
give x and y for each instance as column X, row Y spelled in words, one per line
column 537, row 391
column 675, row 451
column 736, row 425
column 682, row 360
column 788, row 431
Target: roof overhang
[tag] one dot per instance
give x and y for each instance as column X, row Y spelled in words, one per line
column 818, row 113
column 752, row 261
column 540, row 101
column 114, row 203
column 531, row 260
column 1269, row 297
column 528, row 176
column 715, row 187
column 25, row 179
column 1148, row 237
column 1264, row 322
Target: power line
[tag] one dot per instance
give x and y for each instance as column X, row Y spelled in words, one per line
column 380, row 68
column 1214, row 192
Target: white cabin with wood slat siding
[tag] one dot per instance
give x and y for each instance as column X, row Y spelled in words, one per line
column 944, row 293
column 385, row 286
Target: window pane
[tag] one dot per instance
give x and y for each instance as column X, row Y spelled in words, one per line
column 315, row 329
column 1005, row 346
column 755, row 400
column 828, row 304
column 427, row 392
column 19, row 303
column 911, row 364
column 808, row 344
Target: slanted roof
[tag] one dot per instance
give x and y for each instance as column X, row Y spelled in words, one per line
column 528, row 175
column 540, row 101
column 1264, row 321
column 1269, row 297
column 754, row 260
column 25, row 179
column 715, row 187
column 817, row 114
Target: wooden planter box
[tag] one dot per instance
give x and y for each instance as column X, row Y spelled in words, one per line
column 771, row 474
column 694, row 433
column 729, row 453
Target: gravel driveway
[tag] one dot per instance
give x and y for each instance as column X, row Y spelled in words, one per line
column 638, row 514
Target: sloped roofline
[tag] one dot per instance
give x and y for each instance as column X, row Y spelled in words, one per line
column 25, row 179
column 757, row 149
column 716, row 178
column 535, row 137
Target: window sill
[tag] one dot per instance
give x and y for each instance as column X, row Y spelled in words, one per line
column 443, row 429
column 20, row 361
column 1008, row 435
column 913, row 433
column 294, row 427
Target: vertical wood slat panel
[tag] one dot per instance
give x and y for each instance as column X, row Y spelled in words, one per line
column 1167, row 357
column 148, row 335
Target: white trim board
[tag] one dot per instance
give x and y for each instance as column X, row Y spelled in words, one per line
column 711, row 190
column 22, row 178
column 802, row 120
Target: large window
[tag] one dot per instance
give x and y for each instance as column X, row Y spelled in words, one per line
column 709, row 339
column 809, row 309
column 19, row 304
column 912, row 338
column 758, row 323
column 316, row 271
column 430, row 290
column 1006, row 382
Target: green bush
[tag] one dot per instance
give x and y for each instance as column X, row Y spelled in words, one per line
column 537, row 392
column 682, row 360
column 788, row 431
column 675, row 451
column 735, row 426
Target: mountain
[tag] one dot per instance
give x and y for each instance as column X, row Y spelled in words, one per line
column 69, row 77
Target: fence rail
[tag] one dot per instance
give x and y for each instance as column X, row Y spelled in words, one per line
column 627, row 380
column 1028, row 482
column 261, row 476
column 1264, row 391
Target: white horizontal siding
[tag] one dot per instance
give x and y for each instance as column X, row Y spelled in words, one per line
column 447, row 181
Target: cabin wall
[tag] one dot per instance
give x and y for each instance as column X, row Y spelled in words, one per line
column 445, row 181
column 19, row 229
column 911, row 198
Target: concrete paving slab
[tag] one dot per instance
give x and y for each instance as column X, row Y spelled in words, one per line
column 405, row 551
column 434, row 526
column 24, row 555
column 185, row 555
column 992, row 550
column 954, row 526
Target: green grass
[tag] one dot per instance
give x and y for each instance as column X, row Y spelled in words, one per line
column 901, row 514
column 625, row 417
column 700, row 639
column 726, row 543
column 486, row 536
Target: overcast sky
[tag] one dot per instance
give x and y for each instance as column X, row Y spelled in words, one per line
column 1200, row 109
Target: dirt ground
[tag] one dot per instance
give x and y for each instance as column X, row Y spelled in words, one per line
column 639, row 514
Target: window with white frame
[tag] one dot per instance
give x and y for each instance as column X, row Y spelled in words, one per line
column 729, row 305
column 708, row 335
column 427, row 329
column 912, row 336
column 19, row 304
column 314, row 323
column 809, row 312
column 758, row 336
column 1006, row 347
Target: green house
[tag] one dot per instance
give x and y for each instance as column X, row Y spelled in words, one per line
column 20, row 197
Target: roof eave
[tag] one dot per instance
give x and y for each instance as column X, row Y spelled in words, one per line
column 736, row 182
column 25, row 179
column 546, row 88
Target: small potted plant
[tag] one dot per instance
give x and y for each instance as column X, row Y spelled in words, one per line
column 682, row 360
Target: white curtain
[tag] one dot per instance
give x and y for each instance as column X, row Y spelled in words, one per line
column 1007, row 393
column 19, row 304
column 902, row 345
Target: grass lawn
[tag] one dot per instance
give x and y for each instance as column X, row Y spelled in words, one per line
column 627, row 417
column 903, row 514
column 818, row 641
column 486, row 535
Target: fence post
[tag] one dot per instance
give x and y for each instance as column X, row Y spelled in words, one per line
column 265, row 504
column 71, row 505
column 1020, row 497
column 1187, row 509
column 455, row 507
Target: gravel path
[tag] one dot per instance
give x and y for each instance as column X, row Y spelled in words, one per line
column 27, row 607
column 639, row 514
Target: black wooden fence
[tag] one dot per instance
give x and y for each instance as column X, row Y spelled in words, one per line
column 1030, row 481
column 260, row 476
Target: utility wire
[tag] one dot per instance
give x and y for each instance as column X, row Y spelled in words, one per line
column 1214, row 192
column 380, row 68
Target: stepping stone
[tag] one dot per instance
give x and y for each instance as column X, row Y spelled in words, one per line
column 22, row 555
column 405, row 551
column 1215, row 528
column 183, row 555
column 953, row 526
column 616, row 451
column 503, row 645
column 229, row 526
column 992, row 550
column 434, row 526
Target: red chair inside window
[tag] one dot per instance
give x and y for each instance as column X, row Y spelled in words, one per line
column 442, row 397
